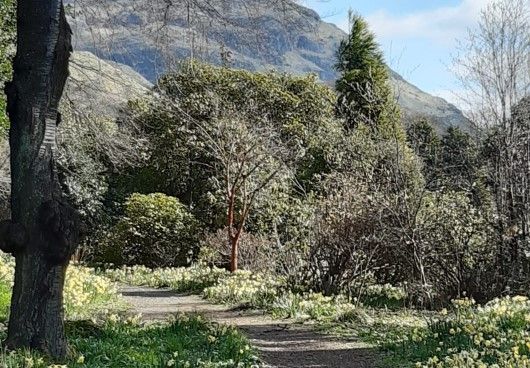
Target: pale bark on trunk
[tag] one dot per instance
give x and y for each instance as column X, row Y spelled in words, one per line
column 44, row 229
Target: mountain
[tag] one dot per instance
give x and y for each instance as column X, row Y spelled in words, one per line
column 150, row 36
column 101, row 87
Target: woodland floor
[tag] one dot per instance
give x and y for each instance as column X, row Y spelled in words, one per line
column 280, row 343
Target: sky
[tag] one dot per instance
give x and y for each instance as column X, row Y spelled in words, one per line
column 418, row 37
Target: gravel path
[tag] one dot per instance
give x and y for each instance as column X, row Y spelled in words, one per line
column 281, row 343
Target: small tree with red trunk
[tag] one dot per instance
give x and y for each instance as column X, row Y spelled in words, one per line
column 249, row 158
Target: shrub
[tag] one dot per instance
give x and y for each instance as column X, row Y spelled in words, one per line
column 453, row 240
column 363, row 214
column 156, row 231
column 346, row 238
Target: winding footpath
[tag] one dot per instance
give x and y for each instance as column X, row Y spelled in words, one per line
column 280, row 343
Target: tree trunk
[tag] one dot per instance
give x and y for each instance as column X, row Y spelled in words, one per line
column 44, row 229
column 234, row 242
column 233, row 239
column 233, row 258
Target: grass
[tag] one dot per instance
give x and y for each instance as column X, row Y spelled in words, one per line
column 100, row 335
column 495, row 335
column 189, row 341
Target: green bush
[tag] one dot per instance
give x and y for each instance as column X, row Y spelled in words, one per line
column 156, row 231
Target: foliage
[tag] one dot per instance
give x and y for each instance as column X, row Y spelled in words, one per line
column 384, row 296
column 493, row 335
column 346, row 238
column 506, row 154
column 197, row 97
column 256, row 252
column 364, row 93
column 312, row 306
column 491, row 67
column 426, row 143
column 91, row 147
column 459, row 160
column 189, row 341
column 453, row 237
column 360, row 221
column 7, row 49
column 156, row 231
column 237, row 141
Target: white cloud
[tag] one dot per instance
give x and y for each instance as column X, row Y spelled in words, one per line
column 440, row 25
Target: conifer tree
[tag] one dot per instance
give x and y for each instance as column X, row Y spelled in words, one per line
column 364, row 93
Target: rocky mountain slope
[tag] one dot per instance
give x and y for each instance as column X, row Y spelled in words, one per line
column 150, row 36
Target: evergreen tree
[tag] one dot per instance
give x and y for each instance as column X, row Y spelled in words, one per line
column 459, row 164
column 364, row 93
column 425, row 142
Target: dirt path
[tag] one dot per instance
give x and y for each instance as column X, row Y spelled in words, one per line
column 281, row 343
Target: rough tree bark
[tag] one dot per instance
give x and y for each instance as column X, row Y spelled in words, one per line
column 44, row 229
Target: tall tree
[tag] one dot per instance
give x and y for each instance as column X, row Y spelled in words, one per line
column 492, row 62
column 43, row 230
column 459, row 162
column 494, row 69
column 364, row 93
column 425, row 142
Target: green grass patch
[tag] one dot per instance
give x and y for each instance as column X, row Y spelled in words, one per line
column 5, row 301
column 98, row 337
column 495, row 335
column 189, row 341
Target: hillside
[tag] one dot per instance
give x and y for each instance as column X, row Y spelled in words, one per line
column 102, row 87
column 255, row 37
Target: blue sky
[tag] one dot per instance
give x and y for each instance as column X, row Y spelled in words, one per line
column 417, row 36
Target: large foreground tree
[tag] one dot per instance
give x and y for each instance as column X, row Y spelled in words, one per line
column 43, row 229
